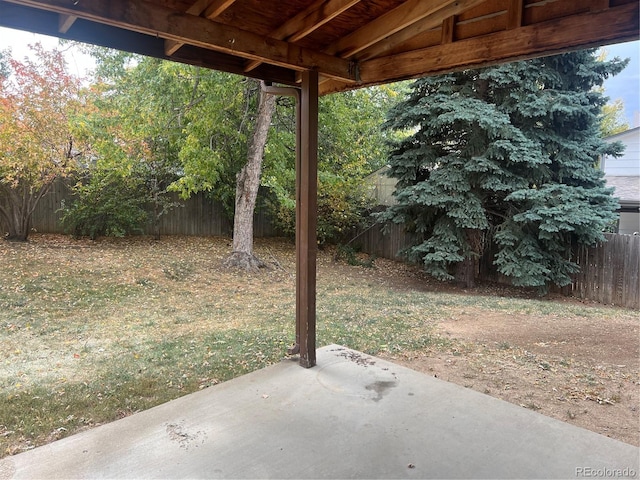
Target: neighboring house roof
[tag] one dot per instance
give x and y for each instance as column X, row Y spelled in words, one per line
column 613, row 138
column 627, row 189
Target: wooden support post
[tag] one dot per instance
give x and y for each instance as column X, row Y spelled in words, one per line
column 295, row 93
column 307, row 219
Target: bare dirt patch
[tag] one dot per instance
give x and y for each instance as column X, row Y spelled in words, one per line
column 581, row 370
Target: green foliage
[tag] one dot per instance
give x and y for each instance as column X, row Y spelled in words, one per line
column 191, row 126
column 612, row 119
column 342, row 206
column 108, row 204
column 216, row 128
column 351, row 145
column 505, row 156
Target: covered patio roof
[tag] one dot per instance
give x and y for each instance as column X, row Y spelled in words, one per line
column 325, row 46
column 350, row 43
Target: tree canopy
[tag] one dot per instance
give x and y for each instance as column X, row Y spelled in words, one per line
column 351, row 145
column 612, row 119
column 193, row 126
column 38, row 102
column 504, row 159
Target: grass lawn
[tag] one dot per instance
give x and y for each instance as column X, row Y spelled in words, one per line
column 94, row 331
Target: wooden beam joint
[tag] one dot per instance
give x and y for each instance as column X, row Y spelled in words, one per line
column 514, row 14
column 448, row 28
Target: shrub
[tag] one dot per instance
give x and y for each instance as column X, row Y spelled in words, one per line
column 106, row 204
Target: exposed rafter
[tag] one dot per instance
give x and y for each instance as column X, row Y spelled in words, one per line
column 430, row 21
column 210, row 9
column 407, row 14
column 310, row 19
column 152, row 19
column 65, row 23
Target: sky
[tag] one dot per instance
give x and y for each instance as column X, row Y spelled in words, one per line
column 18, row 41
column 624, row 86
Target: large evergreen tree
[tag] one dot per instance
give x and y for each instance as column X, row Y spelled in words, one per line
column 506, row 156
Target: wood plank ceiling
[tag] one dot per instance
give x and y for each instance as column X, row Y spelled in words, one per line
column 351, row 43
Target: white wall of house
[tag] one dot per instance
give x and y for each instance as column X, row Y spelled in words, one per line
column 628, row 165
column 381, row 187
column 623, row 173
column 629, row 223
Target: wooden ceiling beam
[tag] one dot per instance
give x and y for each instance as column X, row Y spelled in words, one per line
column 312, row 18
column 599, row 5
column 151, row 19
column 220, row 61
column 433, row 20
column 305, row 22
column 210, row 9
column 46, row 23
column 216, row 8
column 65, row 22
column 405, row 15
column 546, row 38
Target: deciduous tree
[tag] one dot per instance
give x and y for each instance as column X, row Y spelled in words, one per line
column 134, row 129
column 247, row 185
column 38, row 100
column 351, row 145
column 612, row 119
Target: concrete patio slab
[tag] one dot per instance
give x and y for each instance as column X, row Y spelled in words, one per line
column 352, row 416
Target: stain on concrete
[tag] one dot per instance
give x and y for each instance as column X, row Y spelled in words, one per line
column 185, row 439
column 381, row 388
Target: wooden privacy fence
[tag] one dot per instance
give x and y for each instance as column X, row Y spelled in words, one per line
column 609, row 272
column 384, row 242
column 199, row 215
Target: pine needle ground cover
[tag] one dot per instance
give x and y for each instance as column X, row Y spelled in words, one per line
column 95, row 331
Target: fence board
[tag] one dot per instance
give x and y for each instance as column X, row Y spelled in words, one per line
column 631, row 288
column 609, row 272
column 47, row 215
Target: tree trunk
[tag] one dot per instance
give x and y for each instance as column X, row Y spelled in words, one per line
column 247, row 184
column 465, row 273
column 16, row 210
column 467, row 270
